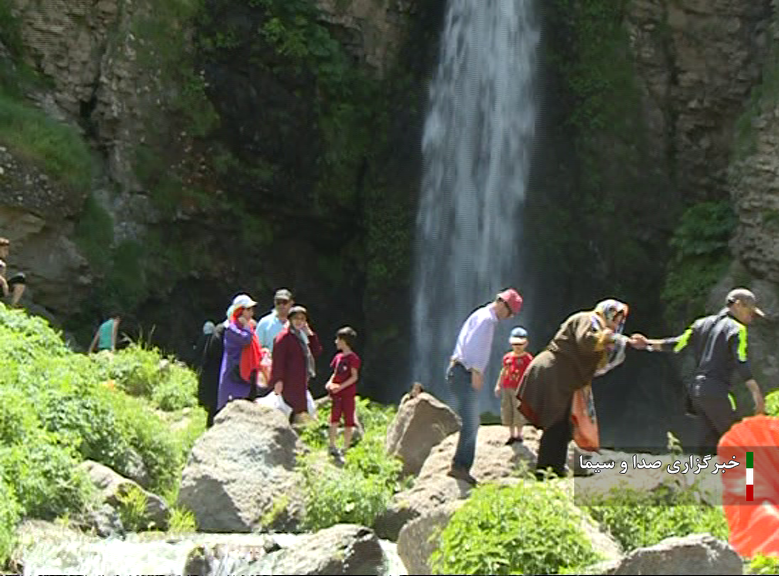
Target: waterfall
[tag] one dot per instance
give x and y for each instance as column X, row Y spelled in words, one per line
column 476, row 149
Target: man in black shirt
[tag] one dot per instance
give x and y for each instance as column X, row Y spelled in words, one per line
column 719, row 343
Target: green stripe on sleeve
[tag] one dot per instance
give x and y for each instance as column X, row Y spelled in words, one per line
column 684, row 340
column 742, row 343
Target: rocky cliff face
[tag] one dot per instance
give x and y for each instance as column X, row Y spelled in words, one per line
column 696, row 62
column 706, row 72
column 198, row 127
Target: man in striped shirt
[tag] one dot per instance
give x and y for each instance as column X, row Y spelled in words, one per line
column 466, row 374
column 720, row 346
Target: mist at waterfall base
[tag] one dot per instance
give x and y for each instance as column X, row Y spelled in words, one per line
column 476, row 148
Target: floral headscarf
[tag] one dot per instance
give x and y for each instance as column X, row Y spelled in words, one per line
column 609, row 309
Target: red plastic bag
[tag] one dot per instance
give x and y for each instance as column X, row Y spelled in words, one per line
column 584, row 420
column 754, row 525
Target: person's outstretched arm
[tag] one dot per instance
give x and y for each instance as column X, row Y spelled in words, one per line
column 674, row 344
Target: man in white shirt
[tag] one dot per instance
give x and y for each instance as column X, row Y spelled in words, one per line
column 466, row 374
column 271, row 324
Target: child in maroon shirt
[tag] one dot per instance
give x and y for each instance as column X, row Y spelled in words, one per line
column 342, row 387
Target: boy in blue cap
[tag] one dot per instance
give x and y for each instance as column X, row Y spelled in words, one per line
column 515, row 362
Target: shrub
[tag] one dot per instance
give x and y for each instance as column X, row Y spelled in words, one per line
column 182, row 521
column 9, row 516
column 531, row 528
column 56, row 410
column 772, row 403
column 362, row 489
column 45, row 478
column 335, row 496
column 637, row 519
column 763, row 565
column 132, row 510
column 143, row 371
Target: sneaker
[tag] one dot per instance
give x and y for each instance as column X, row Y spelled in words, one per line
column 335, row 452
column 462, row 474
column 510, row 441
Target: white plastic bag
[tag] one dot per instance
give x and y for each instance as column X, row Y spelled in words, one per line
column 275, row 401
column 310, row 406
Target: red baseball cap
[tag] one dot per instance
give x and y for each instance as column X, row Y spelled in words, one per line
column 512, row 298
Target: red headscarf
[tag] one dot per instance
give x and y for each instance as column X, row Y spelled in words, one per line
column 251, row 355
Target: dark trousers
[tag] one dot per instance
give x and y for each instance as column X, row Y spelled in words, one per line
column 715, row 417
column 553, row 449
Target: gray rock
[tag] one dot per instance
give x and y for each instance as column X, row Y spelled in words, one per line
column 113, row 487
column 103, row 520
column 421, row 423
column 136, row 470
column 340, row 549
column 419, row 538
column 693, row 554
column 433, row 488
column 240, row 474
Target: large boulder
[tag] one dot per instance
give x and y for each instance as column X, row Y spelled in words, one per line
column 419, row 538
column 433, row 488
column 240, row 474
column 421, row 423
column 114, row 489
column 693, row 554
column 340, row 549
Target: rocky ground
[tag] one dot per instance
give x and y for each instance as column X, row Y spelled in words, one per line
column 240, row 470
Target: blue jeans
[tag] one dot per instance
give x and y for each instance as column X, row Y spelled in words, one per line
column 465, row 403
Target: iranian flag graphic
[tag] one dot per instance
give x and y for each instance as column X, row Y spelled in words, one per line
column 750, row 478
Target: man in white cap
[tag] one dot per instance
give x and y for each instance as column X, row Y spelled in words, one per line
column 466, row 374
column 271, row 324
column 719, row 342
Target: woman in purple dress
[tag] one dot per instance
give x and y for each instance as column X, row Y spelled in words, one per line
column 240, row 373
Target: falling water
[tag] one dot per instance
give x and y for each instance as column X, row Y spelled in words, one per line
column 476, row 148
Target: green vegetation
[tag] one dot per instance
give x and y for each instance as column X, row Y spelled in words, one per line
column 142, row 371
column 10, row 512
column 54, row 147
column 772, row 403
column 57, row 409
column 610, row 193
column 182, row 521
column 638, row 519
column 763, row 565
column 531, row 528
column 362, row 489
column 701, row 258
column 95, row 233
column 132, row 510
column 165, row 48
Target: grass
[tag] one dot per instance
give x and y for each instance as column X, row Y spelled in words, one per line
column 55, row 148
